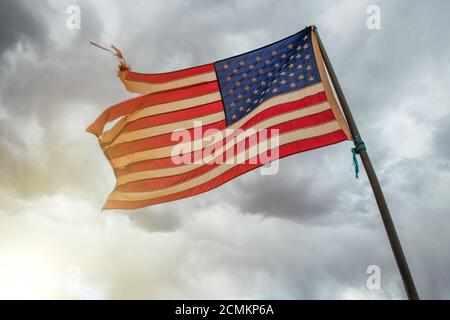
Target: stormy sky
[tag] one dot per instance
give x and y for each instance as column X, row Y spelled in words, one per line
column 308, row 232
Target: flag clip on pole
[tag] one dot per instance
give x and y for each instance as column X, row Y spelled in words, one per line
column 376, row 188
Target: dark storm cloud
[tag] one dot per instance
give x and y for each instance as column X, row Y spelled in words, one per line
column 441, row 145
column 157, row 219
column 206, row 31
column 416, row 190
column 388, row 64
column 54, row 73
column 19, row 22
column 36, row 92
column 301, row 190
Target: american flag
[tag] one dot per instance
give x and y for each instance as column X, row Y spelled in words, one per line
column 281, row 86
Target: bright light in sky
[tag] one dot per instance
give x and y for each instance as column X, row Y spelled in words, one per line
column 28, row 275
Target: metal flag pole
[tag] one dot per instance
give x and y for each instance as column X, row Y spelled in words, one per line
column 379, row 197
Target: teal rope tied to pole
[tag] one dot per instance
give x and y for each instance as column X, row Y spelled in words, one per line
column 359, row 147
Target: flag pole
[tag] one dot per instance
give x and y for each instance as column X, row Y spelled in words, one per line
column 394, row 241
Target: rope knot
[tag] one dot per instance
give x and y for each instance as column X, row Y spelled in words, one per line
column 359, row 147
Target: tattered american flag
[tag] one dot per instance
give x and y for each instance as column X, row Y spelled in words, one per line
column 281, row 86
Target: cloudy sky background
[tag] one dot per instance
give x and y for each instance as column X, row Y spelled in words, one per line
column 309, row 232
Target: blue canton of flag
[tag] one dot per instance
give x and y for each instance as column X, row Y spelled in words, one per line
column 249, row 79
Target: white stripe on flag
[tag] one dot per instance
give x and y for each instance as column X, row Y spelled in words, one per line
column 292, row 136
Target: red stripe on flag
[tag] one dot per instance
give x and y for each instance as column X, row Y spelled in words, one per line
column 122, row 149
column 128, row 106
column 285, row 150
column 286, row 107
column 160, row 141
column 169, row 76
column 170, row 117
column 163, row 182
